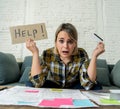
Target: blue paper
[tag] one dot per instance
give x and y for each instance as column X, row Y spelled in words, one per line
column 83, row 103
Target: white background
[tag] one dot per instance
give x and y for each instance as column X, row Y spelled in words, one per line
column 88, row 16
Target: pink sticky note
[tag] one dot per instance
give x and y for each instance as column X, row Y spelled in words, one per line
column 57, row 102
column 49, row 103
column 32, row 91
column 64, row 101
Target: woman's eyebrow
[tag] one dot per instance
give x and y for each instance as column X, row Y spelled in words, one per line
column 60, row 38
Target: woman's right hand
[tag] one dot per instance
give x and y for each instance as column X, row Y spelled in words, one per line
column 31, row 45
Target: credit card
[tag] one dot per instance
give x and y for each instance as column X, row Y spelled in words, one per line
column 98, row 38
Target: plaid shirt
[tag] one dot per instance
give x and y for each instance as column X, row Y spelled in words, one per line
column 55, row 70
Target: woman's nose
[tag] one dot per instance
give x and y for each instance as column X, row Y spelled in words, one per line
column 65, row 44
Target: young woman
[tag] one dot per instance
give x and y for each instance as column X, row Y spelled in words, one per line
column 65, row 65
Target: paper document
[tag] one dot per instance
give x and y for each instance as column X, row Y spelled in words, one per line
column 101, row 98
column 44, row 97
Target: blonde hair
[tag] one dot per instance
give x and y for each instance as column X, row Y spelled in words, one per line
column 71, row 31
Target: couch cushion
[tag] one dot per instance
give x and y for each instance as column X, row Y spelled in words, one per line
column 9, row 69
column 26, row 63
column 101, row 63
column 115, row 74
column 25, row 76
column 103, row 77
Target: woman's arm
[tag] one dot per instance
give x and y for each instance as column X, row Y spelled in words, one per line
column 92, row 66
column 36, row 68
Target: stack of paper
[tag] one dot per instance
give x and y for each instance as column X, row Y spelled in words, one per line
column 115, row 94
column 102, row 98
column 43, row 97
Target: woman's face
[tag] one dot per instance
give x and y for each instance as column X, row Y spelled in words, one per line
column 65, row 45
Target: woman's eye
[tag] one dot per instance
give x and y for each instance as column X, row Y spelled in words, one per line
column 70, row 41
column 61, row 41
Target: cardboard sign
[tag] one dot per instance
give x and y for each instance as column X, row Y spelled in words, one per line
column 20, row 33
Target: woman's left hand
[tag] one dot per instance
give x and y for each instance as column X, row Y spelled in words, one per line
column 99, row 49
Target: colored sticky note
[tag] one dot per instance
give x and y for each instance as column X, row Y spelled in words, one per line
column 32, row 91
column 110, row 101
column 57, row 102
column 49, row 103
column 64, row 101
column 25, row 102
column 56, row 90
column 83, row 103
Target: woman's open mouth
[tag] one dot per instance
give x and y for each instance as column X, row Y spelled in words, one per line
column 65, row 52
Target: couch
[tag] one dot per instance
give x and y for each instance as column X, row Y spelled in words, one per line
column 16, row 73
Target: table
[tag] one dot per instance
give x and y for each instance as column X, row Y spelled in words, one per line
column 31, row 107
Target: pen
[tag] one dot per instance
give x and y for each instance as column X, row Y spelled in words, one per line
column 98, row 37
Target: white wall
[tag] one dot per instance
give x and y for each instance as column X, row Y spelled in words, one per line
column 89, row 16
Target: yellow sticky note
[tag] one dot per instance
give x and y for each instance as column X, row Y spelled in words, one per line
column 56, row 90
